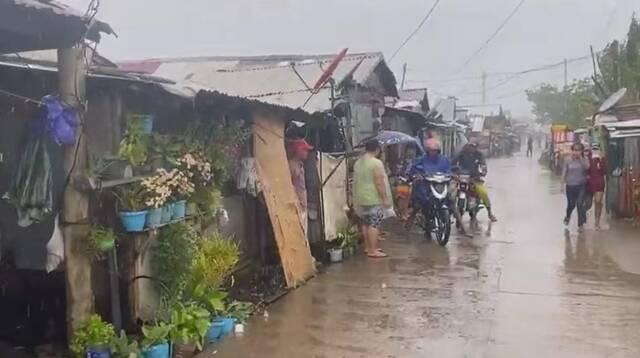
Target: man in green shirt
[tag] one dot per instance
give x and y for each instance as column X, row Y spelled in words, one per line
column 371, row 194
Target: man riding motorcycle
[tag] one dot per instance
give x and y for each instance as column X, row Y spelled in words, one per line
column 469, row 160
column 432, row 162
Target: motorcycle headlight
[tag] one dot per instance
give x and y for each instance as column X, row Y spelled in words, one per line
column 440, row 187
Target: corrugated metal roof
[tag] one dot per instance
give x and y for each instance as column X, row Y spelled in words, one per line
column 272, row 79
column 44, row 24
column 446, row 107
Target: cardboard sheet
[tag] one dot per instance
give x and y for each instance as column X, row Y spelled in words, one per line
column 273, row 170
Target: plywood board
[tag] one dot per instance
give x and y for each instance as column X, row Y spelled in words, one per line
column 273, row 170
column 334, row 195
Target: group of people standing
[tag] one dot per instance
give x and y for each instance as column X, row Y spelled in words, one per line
column 583, row 176
column 372, row 196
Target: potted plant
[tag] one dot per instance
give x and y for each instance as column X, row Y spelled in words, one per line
column 189, row 326
column 336, row 252
column 93, row 339
column 198, row 170
column 158, row 193
column 135, row 144
column 99, row 240
column 124, row 347
column 181, row 188
column 156, row 341
column 348, row 239
column 145, row 121
column 172, row 258
column 239, row 312
column 132, row 206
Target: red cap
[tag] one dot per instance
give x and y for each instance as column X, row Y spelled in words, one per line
column 300, row 145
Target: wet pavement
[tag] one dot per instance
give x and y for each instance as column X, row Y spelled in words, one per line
column 523, row 287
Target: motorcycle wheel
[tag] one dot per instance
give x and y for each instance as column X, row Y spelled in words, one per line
column 442, row 227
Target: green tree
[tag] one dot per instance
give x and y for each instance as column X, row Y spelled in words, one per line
column 570, row 105
column 620, row 64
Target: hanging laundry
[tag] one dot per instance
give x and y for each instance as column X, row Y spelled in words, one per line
column 60, row 122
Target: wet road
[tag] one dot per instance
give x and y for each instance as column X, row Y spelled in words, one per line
column 521, row 288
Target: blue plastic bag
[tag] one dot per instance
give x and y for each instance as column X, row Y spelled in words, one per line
column 61, row 121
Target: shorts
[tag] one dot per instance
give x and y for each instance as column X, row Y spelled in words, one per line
column 371, row 215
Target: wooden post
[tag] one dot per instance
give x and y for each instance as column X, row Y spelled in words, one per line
column 75, row 210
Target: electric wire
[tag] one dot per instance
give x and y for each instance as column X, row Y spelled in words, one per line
column 414, row 32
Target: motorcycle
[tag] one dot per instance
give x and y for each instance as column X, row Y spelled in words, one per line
column 467, row 200
column 431, row 196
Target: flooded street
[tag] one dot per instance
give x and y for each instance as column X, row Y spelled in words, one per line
column 522, row 287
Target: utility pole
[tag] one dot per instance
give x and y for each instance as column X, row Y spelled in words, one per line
column 75, row 205
column 566, row 88
column 484, row 87
column 404, row 74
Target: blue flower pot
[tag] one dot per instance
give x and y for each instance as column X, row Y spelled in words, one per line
column 167, row 213
column 214, row 334
column 98, row 353
column 159, row 351
column 179, row 210
column 133, row 221
column 154, row 217
column 147, row 123
column 228, row 325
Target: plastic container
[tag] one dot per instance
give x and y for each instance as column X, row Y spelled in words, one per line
column 335, row 255
column 179, row 210
column 167, row 213
column 158, row 351
column 228, row 324
column 133, row 221
column 154, row 218
column 98, row 353
column 147, row 123
column 214, row 334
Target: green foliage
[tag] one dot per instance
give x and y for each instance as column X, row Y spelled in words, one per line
column 155, row 335
column 217, row 255
column 208, row 199
column 99, row 241
column 619, row 64
column 131, row 197
column 214, row 300
column 124, row 347
column 189, row 324
column 94, row 333
column 239, row 310
column 347, row 237
column 134, row 146
column 172, row 259
column 167, row 147
column 569, row 106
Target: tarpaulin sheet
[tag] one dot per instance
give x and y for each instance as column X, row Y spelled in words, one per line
column 282, row 203
column 334, row 195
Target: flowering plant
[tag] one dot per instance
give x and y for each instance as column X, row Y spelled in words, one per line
column 158, row 188
column 181, row 186
column 196, row 168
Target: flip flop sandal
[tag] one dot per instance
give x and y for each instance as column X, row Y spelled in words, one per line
column 378, row 255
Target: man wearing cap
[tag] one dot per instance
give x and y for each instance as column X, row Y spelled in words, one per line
column 299, row 152
column 470, row 160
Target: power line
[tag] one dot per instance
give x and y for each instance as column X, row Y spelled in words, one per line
column 424, row 21
column 495, row 33
column 541, row 68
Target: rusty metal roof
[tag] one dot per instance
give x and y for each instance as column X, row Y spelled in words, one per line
column 27, row 25
column 278, row 79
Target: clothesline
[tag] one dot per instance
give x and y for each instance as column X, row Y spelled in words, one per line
column 26, row 99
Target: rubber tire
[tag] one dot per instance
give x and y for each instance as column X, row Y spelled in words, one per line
column 445, row 217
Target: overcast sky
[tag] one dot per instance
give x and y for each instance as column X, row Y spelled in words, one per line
column 542, row 32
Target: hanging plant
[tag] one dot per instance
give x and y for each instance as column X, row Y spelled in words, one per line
column 99, row 241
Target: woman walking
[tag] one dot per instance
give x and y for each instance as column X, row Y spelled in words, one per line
column 597, row 173
column 574, row 176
